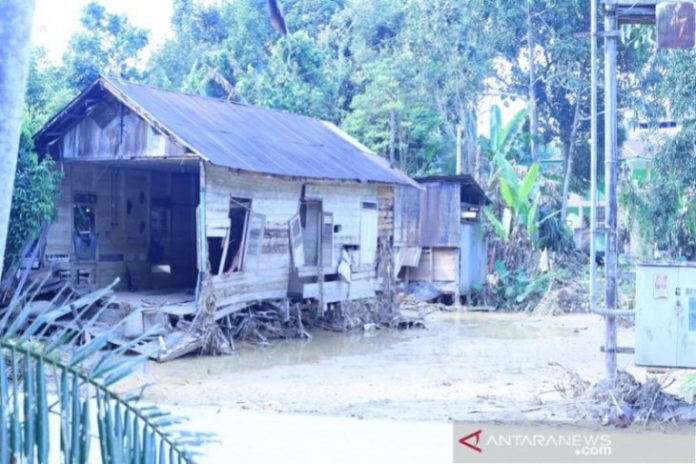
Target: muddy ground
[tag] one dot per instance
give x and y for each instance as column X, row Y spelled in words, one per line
column 463, row 367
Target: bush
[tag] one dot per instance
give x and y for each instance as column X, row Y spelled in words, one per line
column 33, row 200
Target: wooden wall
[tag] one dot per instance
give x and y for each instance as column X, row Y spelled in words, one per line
column 406, row 216
column 437, row 265
column 266, row 275
column 127, row 200
column 112, row 131
column 123, row 232
column 345, row 202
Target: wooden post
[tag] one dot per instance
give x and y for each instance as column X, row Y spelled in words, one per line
column 610, row 179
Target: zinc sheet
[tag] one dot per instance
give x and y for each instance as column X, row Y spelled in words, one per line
column 258, row 139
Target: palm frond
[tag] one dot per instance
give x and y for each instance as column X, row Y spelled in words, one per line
column 80, row 393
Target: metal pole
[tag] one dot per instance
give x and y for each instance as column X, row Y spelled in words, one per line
column 593, row 155
column 610, row 179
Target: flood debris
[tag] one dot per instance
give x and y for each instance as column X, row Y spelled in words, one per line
column 623, row 400
column 167, row 325
column 563, row 296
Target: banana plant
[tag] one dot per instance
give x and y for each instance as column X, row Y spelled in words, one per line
column 46, row 371
column 501, row 138
column 521, row 200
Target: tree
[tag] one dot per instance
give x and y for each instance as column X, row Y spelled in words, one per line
column 33, row 197
column 15, row 29
column 663, row 208
column 108, row 44
column 550, row 68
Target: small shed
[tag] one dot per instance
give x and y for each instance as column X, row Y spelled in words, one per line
column 167, row 190
column 454, row 251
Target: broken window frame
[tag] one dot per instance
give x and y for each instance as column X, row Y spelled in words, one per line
column 318, row 233
column 296, row 241
column 251, row 232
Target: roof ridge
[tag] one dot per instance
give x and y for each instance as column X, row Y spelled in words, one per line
column 208, row 97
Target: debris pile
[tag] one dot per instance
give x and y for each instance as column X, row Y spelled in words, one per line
column 562, row 297
column 623, row 401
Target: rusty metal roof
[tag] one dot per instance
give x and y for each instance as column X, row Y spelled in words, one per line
column 471, row 191
column 249, row 138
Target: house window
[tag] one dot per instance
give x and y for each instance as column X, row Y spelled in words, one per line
column 368, row 232
column 242, row 239
column 311, row 220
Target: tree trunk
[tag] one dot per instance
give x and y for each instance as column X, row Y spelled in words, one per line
column 15, row 30
column 569, row 159
column 533, row 114
column 392, row 137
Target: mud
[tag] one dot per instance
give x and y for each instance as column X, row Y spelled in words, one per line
column 465, row 366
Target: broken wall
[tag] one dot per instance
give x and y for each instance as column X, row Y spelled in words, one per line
column 264, row 273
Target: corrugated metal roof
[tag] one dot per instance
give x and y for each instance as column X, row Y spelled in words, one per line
column 471, row 192
column 257, row 139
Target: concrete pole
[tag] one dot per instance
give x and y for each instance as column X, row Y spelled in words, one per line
column 610, row 179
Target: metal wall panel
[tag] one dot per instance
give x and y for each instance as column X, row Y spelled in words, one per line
column 472, row 270
column 439, row 215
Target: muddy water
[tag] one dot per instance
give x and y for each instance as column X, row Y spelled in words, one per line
column 433, row 374
column 324, row 345
column 356, row 391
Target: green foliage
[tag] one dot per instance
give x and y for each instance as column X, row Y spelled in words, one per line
column 42, row 375
column 108, row 44
column 516, row 288
column 33, row 198
column 664, row 210
column 502, row 137
column 520, row 200
column 553, row 234
column 386, row 71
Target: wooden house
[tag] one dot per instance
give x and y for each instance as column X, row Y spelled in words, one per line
column 165, row 190
column 454, row 254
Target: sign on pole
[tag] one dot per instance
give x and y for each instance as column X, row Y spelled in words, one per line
column 676, row 25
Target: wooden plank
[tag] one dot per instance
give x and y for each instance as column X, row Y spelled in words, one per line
column 225, row 248
column 327, row 242
column 296, row 241
column 224, row 311
column 339, row 290
column 368, row 232
column 332, row 292
column 446, row 264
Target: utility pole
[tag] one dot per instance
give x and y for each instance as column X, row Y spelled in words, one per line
column 671, row 34
column 611, row 176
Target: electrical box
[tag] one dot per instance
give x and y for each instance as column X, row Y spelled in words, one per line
column 666, row 315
